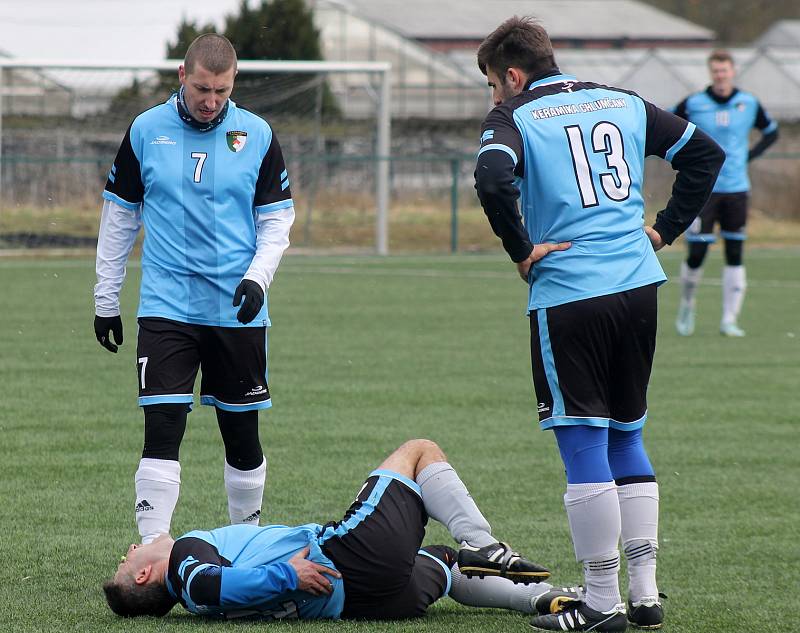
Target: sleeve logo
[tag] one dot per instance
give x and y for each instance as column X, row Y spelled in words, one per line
column 236, row 140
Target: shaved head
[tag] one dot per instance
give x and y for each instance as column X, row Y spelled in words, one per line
column 213, row 52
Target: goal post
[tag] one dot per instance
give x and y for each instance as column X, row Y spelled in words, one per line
column 60, row 120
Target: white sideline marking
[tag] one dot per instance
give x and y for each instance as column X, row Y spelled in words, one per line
column 478, row 274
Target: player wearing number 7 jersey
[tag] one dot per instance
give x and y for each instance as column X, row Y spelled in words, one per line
column 572, row 152
column 208, row 181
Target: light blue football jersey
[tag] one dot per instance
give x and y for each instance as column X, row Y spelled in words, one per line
column 200, row 193
column 579, row 150
column 728, row 121
column 242, row 571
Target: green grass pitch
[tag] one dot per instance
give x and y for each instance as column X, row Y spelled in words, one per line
column 365, row 353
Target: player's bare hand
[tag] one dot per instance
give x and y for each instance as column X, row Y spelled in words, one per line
column 539, row 251
column 655, row 238
column 311, row 576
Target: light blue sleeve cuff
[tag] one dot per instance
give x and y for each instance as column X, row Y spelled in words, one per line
column 274, row 206
column 112, row 197
column 502, row 148
column 687, row 134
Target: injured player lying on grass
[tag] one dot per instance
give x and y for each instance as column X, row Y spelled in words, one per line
column 368, row 565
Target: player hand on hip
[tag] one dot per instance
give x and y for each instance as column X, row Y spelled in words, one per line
column 253, row 300
column 103, row 327
column 655, row 238
column 310, row 574
column 539, row 251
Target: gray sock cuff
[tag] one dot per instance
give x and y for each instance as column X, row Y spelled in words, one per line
column 432, row 470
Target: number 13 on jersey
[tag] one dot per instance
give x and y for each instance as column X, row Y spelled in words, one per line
column 615, row 178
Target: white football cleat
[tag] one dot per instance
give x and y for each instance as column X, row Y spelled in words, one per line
column 685, row 321
column 731, row 329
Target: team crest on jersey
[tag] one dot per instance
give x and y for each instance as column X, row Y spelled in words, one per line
column 236, row 140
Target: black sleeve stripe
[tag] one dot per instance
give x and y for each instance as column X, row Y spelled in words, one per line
column 499, row 128
column 762, row 120
column 680, row 109
column 206, row 586
column 664, row 129
column 187, row 553
column 125, row 177
column 273, row 179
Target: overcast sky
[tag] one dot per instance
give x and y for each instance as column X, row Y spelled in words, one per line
column 110, row 30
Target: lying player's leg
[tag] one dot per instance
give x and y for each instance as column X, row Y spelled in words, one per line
column 448, row 501
column 437, row 574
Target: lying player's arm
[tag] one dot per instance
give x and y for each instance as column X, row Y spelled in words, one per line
column 242, row 587
column 210, row 585
column 695, row 156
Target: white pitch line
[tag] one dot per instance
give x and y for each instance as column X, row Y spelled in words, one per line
column 477, row 274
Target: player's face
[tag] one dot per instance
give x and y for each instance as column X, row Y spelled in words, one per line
column 501, row 89
column 722, row 75
column 139, row 556
column 205, row 93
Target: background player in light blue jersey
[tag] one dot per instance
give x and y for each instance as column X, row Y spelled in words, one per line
column 727, row 114
column 573, row 153
column 208, row 181
column 369, row 565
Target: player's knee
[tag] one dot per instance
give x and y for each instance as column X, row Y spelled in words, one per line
column 628, row 458
column 240, row 436
column 697, row 253
column 164, row 426
column 734, row 252
column 423, row 447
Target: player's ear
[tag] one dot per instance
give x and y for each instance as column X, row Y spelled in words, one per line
column 181, row 74
column 143, row 575
column 516, row 78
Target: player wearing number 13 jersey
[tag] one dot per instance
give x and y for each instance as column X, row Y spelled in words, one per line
column 207, row 180
column 573, row 152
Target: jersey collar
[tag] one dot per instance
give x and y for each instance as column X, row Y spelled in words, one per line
column 719, row 99
column 190, row 120
column 554, row 77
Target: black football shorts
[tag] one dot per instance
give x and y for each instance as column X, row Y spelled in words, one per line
column 233, row 362
column 591, row 359
column 376, row 547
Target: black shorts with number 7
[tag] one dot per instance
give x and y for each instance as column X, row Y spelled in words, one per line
column 233, row 362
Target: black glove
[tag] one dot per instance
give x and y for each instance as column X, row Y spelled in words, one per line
column 103, row 326
column 254, row 300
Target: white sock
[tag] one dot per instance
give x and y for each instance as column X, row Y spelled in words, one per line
column 448, row 501
column 157, row 483
column 638, row 505
column 690, row 279
column 734, row 284
column 495, row 592
column 245, row 490
column 594, row 521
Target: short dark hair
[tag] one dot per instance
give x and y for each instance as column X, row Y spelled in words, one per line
column 720, row 55
column 131, row 600
column 213, row 52
column 517, row 43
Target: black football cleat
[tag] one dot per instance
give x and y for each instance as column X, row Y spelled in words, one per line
column 556, row 599
column 646, row 613
column 498, row 559
column 576, row 616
